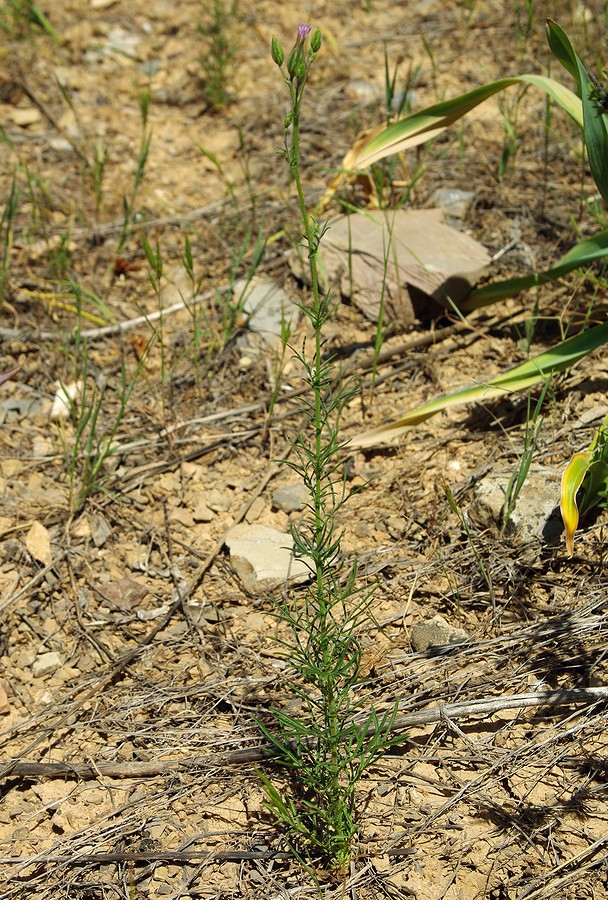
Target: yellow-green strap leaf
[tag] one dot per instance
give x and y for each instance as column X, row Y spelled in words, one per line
column 573, row 477
column 422, row 126
column 533, row 371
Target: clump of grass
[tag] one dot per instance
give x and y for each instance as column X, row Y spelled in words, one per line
column 218, row 59
column 90, row 447
column 327, row 748
column 397, row 103
column 534, row 424
column 213, row 325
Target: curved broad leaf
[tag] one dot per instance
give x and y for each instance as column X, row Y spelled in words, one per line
column 573, row 477
column 581, row 254
column 519, row 378
column 595, row 122
column 419, row 127
column 591, row 468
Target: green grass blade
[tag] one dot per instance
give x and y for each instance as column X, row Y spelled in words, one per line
column 527, row 374
column 582, row 254
column 39, row 19
column 422, row 126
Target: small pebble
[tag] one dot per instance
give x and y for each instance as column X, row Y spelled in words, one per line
column 46, row 664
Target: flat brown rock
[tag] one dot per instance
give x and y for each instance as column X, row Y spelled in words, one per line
column 422, row 253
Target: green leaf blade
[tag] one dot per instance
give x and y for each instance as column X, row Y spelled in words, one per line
column 428, row 123
column 572, row 479
column 519, row 378
column 595, row 126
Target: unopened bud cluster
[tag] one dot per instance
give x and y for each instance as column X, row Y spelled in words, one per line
column 301, row 55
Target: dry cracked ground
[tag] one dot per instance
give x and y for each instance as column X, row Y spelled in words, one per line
column 137, row 652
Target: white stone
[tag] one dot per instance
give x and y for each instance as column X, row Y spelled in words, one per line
column 46, row 664
column 263, row 557
column 536, row 512
column 290, row 497
column 65, row 396
column 267, row 306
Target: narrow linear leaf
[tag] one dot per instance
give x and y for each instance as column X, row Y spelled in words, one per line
column 573, row 477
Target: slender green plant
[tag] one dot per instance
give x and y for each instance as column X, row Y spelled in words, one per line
column 525, row 338
column 89, row 449
column 23, row 19
column 94, row 445
column 279, row 362
column 397, row 102
column 213, row 325
column 200, row 329
column 510, row 118
column 41, row 201
column 534, row 424
column 142, row 158
column 525, row 16
column 218, row 60
column 154, row 257
column 326, row 749
column 231, row 302
column 101, row 154
column 6, row 234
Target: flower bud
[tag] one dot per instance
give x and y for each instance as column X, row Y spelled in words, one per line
column 300, row 69
column 277, row 51
column 296, row 62
column 288, row 120
column 291, row 62
column 315, row 41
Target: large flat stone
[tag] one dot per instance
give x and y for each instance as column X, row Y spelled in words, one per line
column 410, row 252
column 263, row 557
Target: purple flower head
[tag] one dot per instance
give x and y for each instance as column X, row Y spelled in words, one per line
column 299, row 59
column 304, row 30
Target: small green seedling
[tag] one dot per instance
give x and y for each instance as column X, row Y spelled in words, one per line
column 534, row 424
column 129, row 209
column 23, row 18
